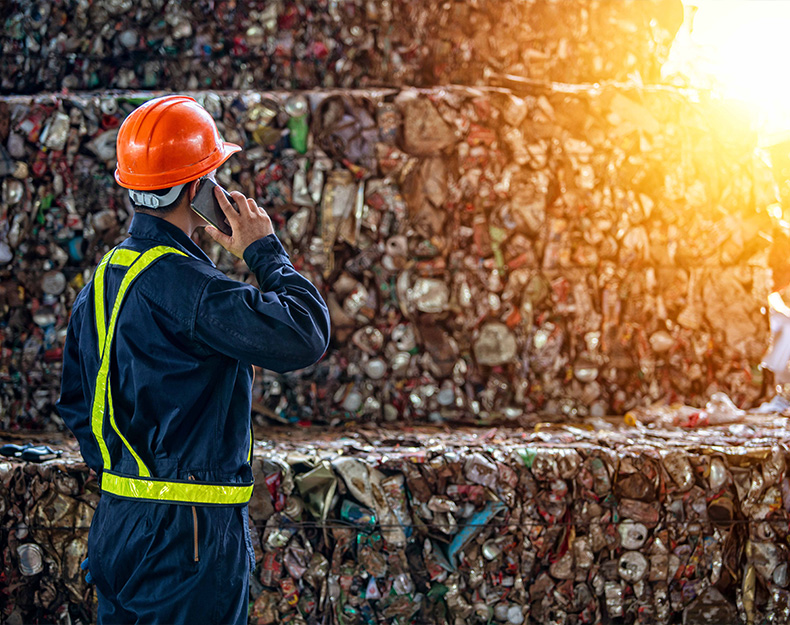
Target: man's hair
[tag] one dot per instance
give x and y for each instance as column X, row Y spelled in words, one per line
column 161, row 210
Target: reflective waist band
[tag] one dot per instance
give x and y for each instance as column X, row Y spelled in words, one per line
column 175, row 491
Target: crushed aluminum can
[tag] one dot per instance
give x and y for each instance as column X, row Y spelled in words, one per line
column 495, row 345
column 53, row 283
column 429, row 295
column 633, row 566
column 632, row 535
column 31, row 559
column 710, row 607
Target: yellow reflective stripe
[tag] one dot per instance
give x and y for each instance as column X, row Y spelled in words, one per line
column 101, row 333
column 124, row 257
column 187, row 492
column 250, row 443
column 98, row 300
column 103, row 376
column 141, row 468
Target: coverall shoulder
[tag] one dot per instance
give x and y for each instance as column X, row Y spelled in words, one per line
column 181, row 375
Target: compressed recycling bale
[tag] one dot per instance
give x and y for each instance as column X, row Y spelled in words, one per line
column 505, row 525
column 483, row 267
column 156, row 44
column 46, row 513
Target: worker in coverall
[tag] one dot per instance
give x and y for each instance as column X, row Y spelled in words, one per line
column 777, row 358
column 157, row 378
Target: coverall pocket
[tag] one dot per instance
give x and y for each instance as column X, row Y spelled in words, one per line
column 120, row 537
column 93, row 544
column 177, row 537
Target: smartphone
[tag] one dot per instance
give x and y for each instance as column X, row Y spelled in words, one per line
column 205, row 204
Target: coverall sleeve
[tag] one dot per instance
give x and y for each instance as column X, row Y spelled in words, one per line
column 73, row 405
column 282, row 326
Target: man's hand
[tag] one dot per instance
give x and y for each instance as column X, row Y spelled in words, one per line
column 85, row 566
column 248, row 225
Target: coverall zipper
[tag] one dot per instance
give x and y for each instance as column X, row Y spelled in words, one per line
column 195, row 524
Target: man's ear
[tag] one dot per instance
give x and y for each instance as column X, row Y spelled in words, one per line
column 193, row 189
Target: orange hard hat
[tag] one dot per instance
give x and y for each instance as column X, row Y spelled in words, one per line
column 166, row 142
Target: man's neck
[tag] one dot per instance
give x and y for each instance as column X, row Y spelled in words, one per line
column 182, row 218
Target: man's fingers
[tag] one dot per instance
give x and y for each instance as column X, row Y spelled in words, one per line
column 249, row 222
column 230, row 213
column 241, row 201
column 225, row 241
column 220, row 237
column 257, row 210
column 84, row 566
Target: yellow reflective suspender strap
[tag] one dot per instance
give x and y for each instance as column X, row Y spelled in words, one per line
column 102, row 393
column 124, row 257
column 116, row 256
column 141, row 468
column 98, row 300
column 175, row 491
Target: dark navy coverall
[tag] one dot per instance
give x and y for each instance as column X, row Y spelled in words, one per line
column 180, row 381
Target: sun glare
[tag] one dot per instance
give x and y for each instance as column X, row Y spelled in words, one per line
column 741, row 49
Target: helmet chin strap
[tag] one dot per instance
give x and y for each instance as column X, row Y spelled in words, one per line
column 151, row 200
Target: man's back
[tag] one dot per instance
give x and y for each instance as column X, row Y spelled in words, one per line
column 185, row 340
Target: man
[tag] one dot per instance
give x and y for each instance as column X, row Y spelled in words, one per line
column 777, row 358
column 157, row 377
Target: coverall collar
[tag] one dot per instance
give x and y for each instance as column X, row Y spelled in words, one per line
column 157, row 229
